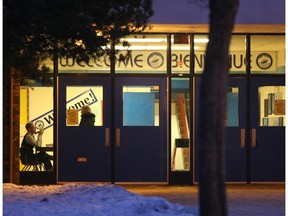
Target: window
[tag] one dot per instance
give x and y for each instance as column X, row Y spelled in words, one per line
column 180, row 124
column 232, row 114
column 140, row 105
column 268, row 54
column 82, row 102
column 237, row 53
column 36, row 105
column 142, row 54
column 200, row 44
column 180, row 53
column 271, row 106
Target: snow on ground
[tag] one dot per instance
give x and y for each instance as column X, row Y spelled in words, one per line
column 84, row 199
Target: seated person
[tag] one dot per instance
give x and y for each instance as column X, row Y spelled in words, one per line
column 29, row 142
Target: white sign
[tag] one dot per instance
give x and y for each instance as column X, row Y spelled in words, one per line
column 85, row 98
column 155, row 61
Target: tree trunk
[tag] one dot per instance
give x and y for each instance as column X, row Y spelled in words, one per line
column 213, row 108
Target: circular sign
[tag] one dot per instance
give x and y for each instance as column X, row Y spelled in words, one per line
column 264, row 61
column 39, row 124
column 155, row 60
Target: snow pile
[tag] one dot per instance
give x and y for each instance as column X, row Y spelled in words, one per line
column 84, row 199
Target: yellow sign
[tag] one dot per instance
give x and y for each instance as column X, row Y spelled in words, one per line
column 279, row 107
column 72, row 117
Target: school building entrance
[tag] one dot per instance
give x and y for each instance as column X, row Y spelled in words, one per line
column 135, row 116
column 146, row 112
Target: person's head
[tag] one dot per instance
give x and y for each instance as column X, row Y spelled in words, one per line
column 85, row 109
column 30, row 127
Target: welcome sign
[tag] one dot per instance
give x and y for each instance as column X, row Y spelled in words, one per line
column 85, row 98
column 149, row 60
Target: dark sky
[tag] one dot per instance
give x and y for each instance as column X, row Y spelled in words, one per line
column 196, row 12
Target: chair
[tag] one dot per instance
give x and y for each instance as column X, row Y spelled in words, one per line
column 28, row 160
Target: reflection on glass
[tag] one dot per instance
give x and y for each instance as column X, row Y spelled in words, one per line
column 142, row 53
column 232, row 114
column 180, row 124
column 84, row 105
column 268, row 54
column 140, row 105
column 180, row 54
column 272, row 106
column 36, row 105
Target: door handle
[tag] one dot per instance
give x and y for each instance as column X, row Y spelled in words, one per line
column 243, row 137
column 118, row 136
column 107, row 137
column 253, row 138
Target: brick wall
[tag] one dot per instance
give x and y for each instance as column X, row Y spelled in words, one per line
column 11, row 118
column 15, row 129
column 6, row 125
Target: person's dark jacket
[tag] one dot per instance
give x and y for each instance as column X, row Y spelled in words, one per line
column 87, row 119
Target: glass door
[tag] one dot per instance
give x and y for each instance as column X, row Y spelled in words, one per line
column 140, row 129
column 267, row 129
column 84, row 148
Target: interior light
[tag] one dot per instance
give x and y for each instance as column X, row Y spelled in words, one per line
column 145, row 40
column 159, row 40
column 174, row 48
column 201, row 40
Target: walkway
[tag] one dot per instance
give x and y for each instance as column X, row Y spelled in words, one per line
column 243, row 200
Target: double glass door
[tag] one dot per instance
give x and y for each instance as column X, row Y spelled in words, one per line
column 255, row 130
column 124, row 137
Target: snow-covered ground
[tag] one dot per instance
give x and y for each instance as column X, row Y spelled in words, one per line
column 84, row 199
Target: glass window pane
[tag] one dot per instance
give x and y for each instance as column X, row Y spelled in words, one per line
column 237, row 55
column 180, row 124
column 268, row 54
column 100, row 65
column 140, row 105
column 272, row 106
column 142, row 54
column 232, row 114
column 200, row 44
column 36, row 106
column 180, row 53
column 84, row 106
